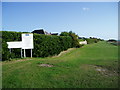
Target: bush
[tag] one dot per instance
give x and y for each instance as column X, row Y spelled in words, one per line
column 50, row 45
column 7, row 37
column 44, row 45
column 92, row 40
column 75, row 42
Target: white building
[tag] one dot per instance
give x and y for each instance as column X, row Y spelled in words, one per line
column 83, row 42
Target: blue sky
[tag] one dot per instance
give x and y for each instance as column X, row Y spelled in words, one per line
column 88, row 19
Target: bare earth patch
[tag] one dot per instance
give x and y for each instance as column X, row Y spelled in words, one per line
column 46, row 65
column 22, row 60
column 105, row 71
column 63, row 52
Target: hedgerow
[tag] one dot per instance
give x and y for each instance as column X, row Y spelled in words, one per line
column 92, row 40
column 44, row 45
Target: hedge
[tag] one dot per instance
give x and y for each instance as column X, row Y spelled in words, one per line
column 92, row 40
column 44, row 45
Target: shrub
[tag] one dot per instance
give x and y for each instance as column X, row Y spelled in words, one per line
column 50, row 45
column 7, row 37
column 92, row 40
column 75, row 42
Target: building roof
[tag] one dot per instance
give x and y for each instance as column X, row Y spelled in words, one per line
column 40, row 31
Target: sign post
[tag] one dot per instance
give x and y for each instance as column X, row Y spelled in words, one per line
column 21, row 53
column 10, row 50
column 31, row 53
column 24, row 53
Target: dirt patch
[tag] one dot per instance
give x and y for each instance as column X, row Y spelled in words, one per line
column 45, row 65
column 63, row 52
column 22, row 60
column 100, row 70
column 104, row 71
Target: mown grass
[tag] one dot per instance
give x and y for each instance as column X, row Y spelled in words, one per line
column 75, row 69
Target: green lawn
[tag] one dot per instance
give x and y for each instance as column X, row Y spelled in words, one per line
column 92, row 66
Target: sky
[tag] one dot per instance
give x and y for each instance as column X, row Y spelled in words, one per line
column 87, row 19
column 60, row 0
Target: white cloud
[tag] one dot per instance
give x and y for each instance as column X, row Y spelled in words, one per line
column 85, row 9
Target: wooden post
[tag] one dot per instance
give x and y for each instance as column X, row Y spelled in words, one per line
column 21, row 53
column 24, row 53
column 10, row 50
column 31, row 53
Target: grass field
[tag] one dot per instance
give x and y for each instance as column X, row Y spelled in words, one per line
column 92, row 66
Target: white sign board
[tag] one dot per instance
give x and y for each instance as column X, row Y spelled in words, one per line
column 27, row 41
column 14, row 44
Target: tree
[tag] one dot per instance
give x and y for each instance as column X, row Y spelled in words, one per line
column 64, row 34
column 73, row 36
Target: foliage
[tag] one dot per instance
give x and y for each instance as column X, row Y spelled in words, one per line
column 80, row 40
column 75, row 42
column 50, row 45
column 7, row 37
column 76, row 39
column 92, row 40
column 44, row 45
column 111, row 40
column 64, row 34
